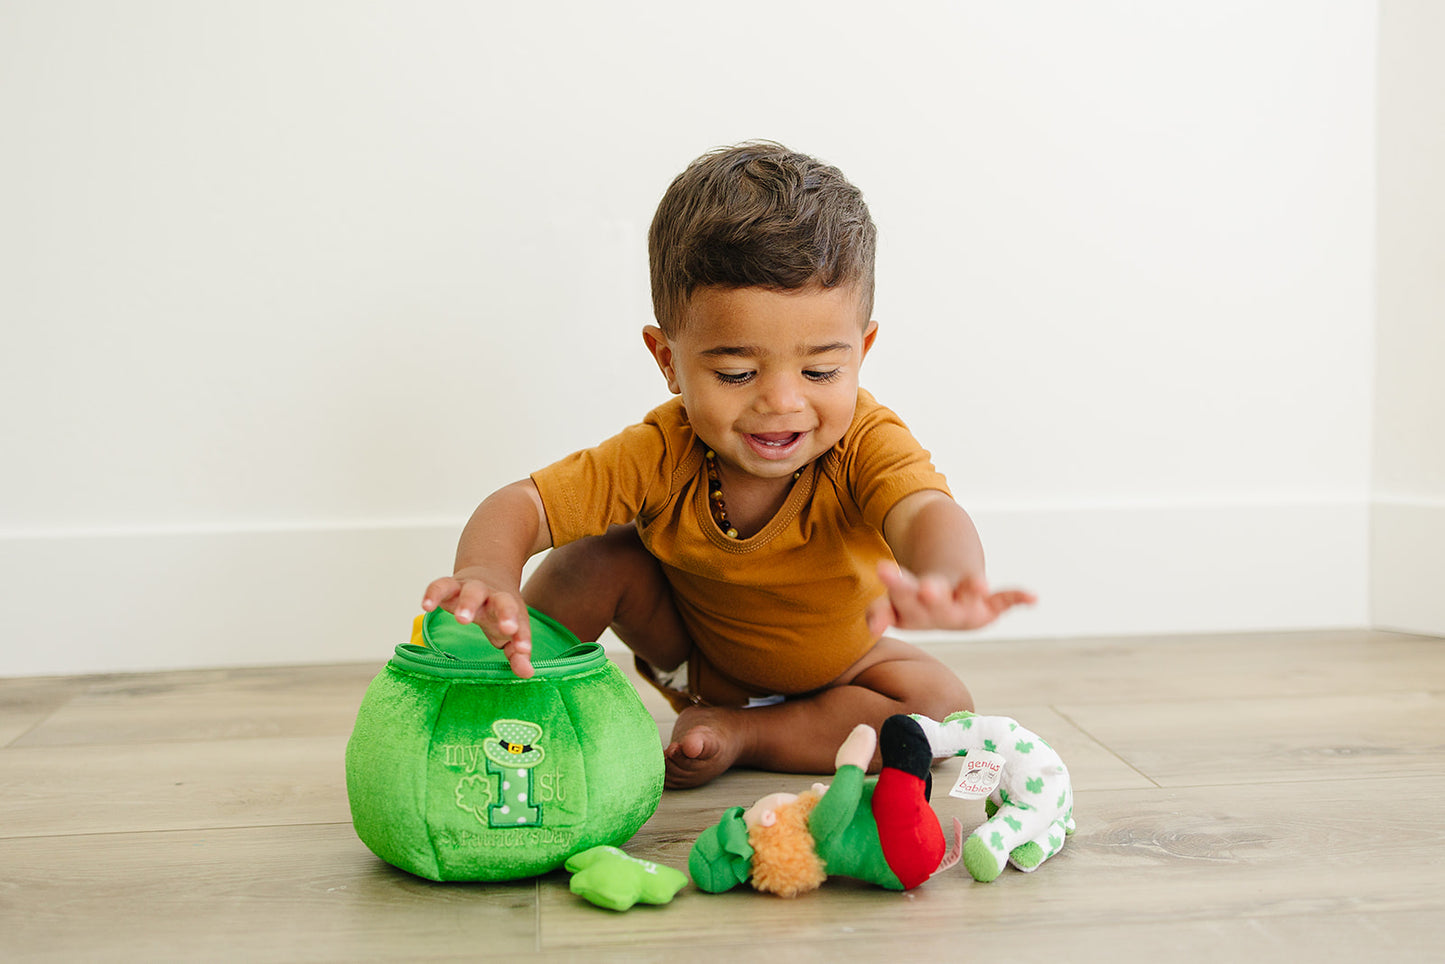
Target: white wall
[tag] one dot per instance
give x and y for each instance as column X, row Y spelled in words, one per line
column 287, row 288
column 1408, row 517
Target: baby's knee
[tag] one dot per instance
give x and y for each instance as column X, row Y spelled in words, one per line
column 940, row 694
column 918, row 682
column 946, row 694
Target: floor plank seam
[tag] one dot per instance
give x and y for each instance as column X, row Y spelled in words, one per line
column 1107, row 748
column 1257, row 781
column 37, row 725
column 170, row 830
column 1314, row 694
column 178, row 741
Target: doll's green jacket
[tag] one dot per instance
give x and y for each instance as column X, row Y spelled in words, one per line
column 845, row 833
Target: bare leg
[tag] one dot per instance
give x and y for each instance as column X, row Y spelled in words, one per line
column 612, row 581
column 802, row 735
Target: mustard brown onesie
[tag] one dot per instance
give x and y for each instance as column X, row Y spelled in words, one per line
column 782, row 611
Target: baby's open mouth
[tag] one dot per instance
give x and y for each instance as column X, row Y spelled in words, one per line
column 776, row 439
column 775, row 446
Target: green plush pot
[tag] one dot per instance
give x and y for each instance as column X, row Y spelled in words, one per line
column 458, row 770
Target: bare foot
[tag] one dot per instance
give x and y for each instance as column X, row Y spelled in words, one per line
column 703, row 747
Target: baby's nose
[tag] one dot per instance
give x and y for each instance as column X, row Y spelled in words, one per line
column 780, row 394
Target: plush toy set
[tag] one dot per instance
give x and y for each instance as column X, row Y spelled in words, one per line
column 458, row 770
column 885, row 831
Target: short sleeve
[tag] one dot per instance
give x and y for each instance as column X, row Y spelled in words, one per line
column 835, row 809
column 608, row 484
column 882, row 462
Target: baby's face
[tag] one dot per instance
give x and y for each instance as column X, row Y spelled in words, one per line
column 769, row 378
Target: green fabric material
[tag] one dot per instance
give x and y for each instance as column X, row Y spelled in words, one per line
column 1027, row 856
column 845, row 833
column 458, row 770
column 462, row 651
column 609, row 878
column 982, row 863
column 721, row 857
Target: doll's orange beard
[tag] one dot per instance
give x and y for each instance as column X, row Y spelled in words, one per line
column 785, row 860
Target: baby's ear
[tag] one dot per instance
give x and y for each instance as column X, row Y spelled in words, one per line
column 768, row 817
column 661, row 352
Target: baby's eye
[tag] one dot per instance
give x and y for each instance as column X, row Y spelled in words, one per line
column 822, row 376
column 733, row 378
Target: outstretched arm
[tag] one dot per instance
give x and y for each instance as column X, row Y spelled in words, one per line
column 939, row 582
column 506, row 530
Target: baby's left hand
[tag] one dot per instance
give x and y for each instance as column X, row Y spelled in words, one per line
column 931, row 603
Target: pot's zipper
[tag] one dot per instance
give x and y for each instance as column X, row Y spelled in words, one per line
column 580, row 658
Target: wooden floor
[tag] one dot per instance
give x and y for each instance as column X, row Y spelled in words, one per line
column 1271, row 797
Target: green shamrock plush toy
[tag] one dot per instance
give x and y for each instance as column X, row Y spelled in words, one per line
column 610, row 878
column 1025, row 785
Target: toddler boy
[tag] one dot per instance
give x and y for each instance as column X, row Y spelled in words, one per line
column 753, row 538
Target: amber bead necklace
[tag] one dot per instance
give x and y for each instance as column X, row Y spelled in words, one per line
column 715, row 496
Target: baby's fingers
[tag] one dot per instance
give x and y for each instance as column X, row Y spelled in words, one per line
column 880, row 616
column 471, row 602
column 896, row 579
column 501, row 616
column 902, row 587
column 504, row 619
column 439, row 592
column 1009, row 598
column 519, row 657
column 910, row 609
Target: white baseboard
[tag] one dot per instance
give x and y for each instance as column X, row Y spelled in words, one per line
column 145, row 600
column 1167, row 569
column 1407, row 566
column 161, row 600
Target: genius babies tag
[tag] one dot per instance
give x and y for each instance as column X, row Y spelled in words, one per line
column 979, row 777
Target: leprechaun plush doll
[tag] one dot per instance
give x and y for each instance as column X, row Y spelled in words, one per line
column 882, row 831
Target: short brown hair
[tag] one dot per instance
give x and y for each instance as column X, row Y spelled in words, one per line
column 758, row 215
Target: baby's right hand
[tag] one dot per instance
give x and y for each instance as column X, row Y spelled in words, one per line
column 501, row 615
